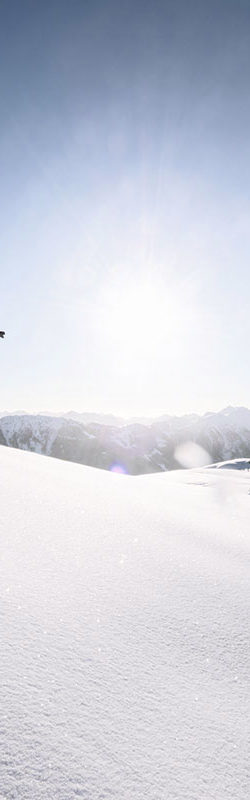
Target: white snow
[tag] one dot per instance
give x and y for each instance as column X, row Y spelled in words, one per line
column 235, row 463
column 124, row 669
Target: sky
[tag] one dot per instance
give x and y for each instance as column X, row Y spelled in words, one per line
column 125, row 200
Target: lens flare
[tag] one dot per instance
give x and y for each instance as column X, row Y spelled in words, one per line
column 191, row 454
column 119, row 469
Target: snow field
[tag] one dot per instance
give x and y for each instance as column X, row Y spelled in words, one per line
column 124, row 669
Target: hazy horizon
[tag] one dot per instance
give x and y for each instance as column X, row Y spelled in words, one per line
column 124, row 224
column 95, row 412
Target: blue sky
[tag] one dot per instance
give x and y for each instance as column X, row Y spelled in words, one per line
column 125, row 175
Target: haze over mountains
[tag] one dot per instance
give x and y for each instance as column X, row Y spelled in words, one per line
column 137, row 446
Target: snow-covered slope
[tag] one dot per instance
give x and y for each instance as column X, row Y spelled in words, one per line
column 30, row 432
column 124, row 669
column 137, row 447
column 236, row 463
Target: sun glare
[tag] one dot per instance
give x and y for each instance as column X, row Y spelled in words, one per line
column 140, row 320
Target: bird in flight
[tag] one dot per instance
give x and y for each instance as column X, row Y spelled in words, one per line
column 2, row 334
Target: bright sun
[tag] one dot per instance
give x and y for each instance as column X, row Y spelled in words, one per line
column 140, row 320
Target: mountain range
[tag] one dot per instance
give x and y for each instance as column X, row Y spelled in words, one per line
column 134, row 447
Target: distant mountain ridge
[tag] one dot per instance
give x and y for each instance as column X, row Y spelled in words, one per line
column 82, row 416
column 135, row 446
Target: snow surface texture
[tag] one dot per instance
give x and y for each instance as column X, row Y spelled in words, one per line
column 125, row 633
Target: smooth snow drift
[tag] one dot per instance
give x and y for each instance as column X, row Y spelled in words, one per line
column 125, row 633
